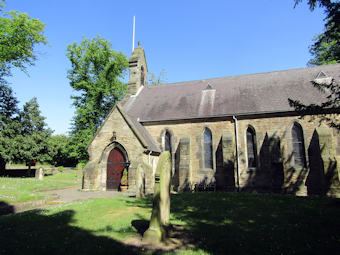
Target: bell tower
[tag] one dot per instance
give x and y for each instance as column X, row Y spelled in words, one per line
column 138, row 70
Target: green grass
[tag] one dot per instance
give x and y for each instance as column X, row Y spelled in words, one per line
column 14, row 190
column 220, row 223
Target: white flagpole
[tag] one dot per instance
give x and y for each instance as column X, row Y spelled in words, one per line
column 133, row 34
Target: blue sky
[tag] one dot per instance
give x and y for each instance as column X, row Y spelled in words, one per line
column 190, row 39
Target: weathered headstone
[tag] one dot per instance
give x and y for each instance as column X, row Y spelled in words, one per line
column 140, row 181
column 160, row 217
column 39, row 173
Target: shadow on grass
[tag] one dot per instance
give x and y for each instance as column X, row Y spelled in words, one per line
column 219, row 223
column 36, row 233
column 231, row 223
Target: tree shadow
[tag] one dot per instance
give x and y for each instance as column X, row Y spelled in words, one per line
column 6, row 208
column 270, row 176
column 225, row 170
column 241, row 223
column 35, row 232
column 320, row 180
column 23, row 173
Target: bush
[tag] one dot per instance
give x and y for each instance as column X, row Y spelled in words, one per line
column 61, row 169
column 124, row 180
column 80, row 165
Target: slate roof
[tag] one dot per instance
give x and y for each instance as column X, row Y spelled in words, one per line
column 140, row 131
column 235, row 95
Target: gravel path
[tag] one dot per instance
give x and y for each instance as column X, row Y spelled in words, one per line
column 76, row 193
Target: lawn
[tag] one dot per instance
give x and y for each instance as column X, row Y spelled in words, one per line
column 14, row 190
column 220, row 223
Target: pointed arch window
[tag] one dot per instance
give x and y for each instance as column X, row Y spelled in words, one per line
column 208, row 159
column 167, row 142
column 298, row 146
column 251, row 147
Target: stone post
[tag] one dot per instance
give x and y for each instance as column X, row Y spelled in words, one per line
column 160, row 217
column 39, row 174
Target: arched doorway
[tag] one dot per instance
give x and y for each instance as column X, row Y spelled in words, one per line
column 115, row 165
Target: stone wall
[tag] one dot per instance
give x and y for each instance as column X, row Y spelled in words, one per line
column 99, row 149
column 275, row 170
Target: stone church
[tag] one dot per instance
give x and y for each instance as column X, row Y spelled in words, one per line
column 235, row 133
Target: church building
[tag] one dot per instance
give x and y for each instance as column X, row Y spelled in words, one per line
column 235, row 133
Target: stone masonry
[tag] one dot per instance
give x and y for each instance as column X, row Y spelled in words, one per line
column 227, row 107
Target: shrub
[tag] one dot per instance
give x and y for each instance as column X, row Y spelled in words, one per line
column 80, row 165
column 61, row 169
column 124, row 180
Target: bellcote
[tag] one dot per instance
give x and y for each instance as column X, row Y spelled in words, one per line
column 138, row 71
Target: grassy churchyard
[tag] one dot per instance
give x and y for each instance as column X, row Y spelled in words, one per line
column 205, row 223
column 15, row 190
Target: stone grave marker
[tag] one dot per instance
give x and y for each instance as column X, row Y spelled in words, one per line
column 39, row 174
column 160, row 216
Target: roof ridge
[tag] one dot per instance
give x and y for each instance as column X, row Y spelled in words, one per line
column 240, row 75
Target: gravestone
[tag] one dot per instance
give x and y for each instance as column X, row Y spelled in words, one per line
column 39, row 174
column 160, row 216
column 140, row 181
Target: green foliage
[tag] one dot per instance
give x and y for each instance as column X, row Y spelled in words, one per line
column 33, row 141
column 332, row 91
column 326, row 46
column 60, row 169
column 59, row 151
column 80, row 165
column 10, row 126
column 22, row 135
column 124, row 180
column 326, row 50
column 19, row 35
column 96, row 75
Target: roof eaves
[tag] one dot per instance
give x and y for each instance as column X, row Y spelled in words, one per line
column 132, row 126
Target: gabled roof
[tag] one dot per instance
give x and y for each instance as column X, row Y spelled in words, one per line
column 235, row 95
column 140, row 131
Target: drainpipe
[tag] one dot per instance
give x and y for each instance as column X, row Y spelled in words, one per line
column 237, row 154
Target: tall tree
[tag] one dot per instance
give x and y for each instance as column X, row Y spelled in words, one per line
column 10, row 125
column 96, row 75
column 33, row 141
column 326, row 50
column 19, row 35
column 326, row 46
column 58, row 150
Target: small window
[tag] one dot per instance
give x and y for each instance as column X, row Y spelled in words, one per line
column 298, row 146
column 167, row 142
column 251, row 147
column 142, row 76
column 208, row 160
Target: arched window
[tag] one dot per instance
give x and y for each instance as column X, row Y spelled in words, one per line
column 208, row 159
column 167, row 142
column 298, row 146
column 251, row 147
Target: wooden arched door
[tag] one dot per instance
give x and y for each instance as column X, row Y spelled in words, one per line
column 114, row 169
